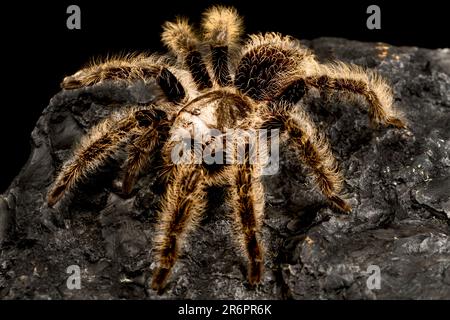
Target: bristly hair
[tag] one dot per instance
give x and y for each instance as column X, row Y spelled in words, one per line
column 353, row 79
column 283, row 54
column 179, row 37
column 222, row 26
column 103, row 141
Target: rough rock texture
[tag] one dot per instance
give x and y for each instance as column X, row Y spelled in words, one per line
column 398, row 182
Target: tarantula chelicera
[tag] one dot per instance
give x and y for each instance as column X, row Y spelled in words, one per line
column 217, row 83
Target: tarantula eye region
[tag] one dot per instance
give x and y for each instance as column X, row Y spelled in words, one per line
column 196, row 112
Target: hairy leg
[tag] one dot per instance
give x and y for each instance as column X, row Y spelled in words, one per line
column 180, row 38
column 246, row 198
column 102, row 142
column 314, row 149
column 182, row 206
column 151, row 134
column 132, row 68
column 222, row 28
column 353, row 82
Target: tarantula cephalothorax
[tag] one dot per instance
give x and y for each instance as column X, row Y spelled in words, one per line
column 216, row 83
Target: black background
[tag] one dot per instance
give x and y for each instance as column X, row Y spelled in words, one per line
column 168, row 309
column 39, row 50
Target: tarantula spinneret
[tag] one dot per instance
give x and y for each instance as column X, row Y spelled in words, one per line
column 219, row 83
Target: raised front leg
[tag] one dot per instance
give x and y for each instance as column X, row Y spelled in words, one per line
column 222, row 28
column 184, row 43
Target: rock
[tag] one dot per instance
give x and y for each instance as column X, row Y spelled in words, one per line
column 398, row 182
column 5, row 219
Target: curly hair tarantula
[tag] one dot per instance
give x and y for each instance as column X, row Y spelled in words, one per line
column 217, row 83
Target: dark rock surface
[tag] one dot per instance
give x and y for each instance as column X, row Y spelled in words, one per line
column 398, row 182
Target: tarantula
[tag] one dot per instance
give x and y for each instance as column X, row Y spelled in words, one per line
column 218, row 83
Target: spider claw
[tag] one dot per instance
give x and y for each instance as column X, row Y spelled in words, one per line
column 70, row 83
column 396, row 122
column 55, row 195
column 127, row 184
column 341, row 204
column 160, row 279
column 255, row 270
column 51, row 202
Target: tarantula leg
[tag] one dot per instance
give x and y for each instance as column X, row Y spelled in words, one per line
column 246, row 198
column 292, row 93
column 129, row 69
column 222, row 29
column 315, row 151
column 169, row 84
column 102, row 142
column 139, row 155
column 180, row 38
column 148, row 137
column 356, row 81
column 219, row 59
column 166, row 171
column 182, row 206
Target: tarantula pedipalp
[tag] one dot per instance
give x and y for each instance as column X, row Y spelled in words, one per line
column 217, row 84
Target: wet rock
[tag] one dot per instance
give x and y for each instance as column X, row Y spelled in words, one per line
column 395, row 243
